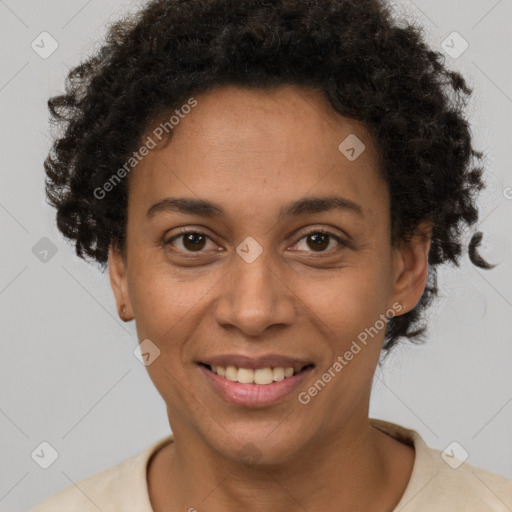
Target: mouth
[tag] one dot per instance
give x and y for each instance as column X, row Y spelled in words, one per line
column 253, row 384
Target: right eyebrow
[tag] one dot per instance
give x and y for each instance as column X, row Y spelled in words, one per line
column 186, row 205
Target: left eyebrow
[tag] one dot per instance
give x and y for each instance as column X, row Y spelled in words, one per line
column 320, row 204
column 204, row 208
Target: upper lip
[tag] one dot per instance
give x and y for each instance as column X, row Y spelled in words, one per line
column 264, row 361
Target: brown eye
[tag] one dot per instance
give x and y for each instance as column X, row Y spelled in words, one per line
column 318, row 241
column 191, row 241
column 194, row 241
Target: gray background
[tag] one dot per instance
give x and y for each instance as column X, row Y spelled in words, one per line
column 69, row 376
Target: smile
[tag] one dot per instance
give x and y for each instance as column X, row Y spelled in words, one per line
column 256, row 387
column 260, row 376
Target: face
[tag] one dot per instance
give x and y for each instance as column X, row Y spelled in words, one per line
column 268, row 248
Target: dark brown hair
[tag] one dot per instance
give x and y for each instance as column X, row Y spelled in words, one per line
column 368, row 66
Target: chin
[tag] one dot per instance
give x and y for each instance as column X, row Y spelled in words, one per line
column 268, row 446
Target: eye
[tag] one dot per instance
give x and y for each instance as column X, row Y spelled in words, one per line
column 319, row 240
column 191, row 241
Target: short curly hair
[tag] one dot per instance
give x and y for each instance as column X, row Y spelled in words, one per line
column 368, row 65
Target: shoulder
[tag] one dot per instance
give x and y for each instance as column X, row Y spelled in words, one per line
column 444, row 482
column 119, row 488
column 457, row 485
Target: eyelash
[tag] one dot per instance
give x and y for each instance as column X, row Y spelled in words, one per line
column 322, row 231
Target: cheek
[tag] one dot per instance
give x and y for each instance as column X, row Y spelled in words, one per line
column 349, row 307
column 160, row 299
column 348, row 300
column 166, row 311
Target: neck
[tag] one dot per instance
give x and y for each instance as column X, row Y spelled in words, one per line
column 348, row 471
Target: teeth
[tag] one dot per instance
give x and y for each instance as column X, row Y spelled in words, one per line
column 263, row 376
column 231, row 373
column 278, row 374
column 260, row 376
column 245, row 376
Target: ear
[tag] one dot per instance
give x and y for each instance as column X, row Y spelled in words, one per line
column 410, row 261
column 119, row 283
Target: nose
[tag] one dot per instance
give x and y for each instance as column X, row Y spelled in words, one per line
column 255, row 297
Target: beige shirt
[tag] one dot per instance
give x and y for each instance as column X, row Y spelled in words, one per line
column 435, row 485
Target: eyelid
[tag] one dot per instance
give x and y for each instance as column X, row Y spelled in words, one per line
column 322, row 228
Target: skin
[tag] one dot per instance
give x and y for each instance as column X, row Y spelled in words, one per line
column 253, row 152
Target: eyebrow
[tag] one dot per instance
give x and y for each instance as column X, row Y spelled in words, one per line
column 205, row 208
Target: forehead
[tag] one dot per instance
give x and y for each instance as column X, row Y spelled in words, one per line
column 255, row 147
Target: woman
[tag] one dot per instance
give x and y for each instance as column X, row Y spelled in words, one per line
column 272, row 185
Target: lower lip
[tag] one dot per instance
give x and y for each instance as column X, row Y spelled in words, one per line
column 254, row 395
